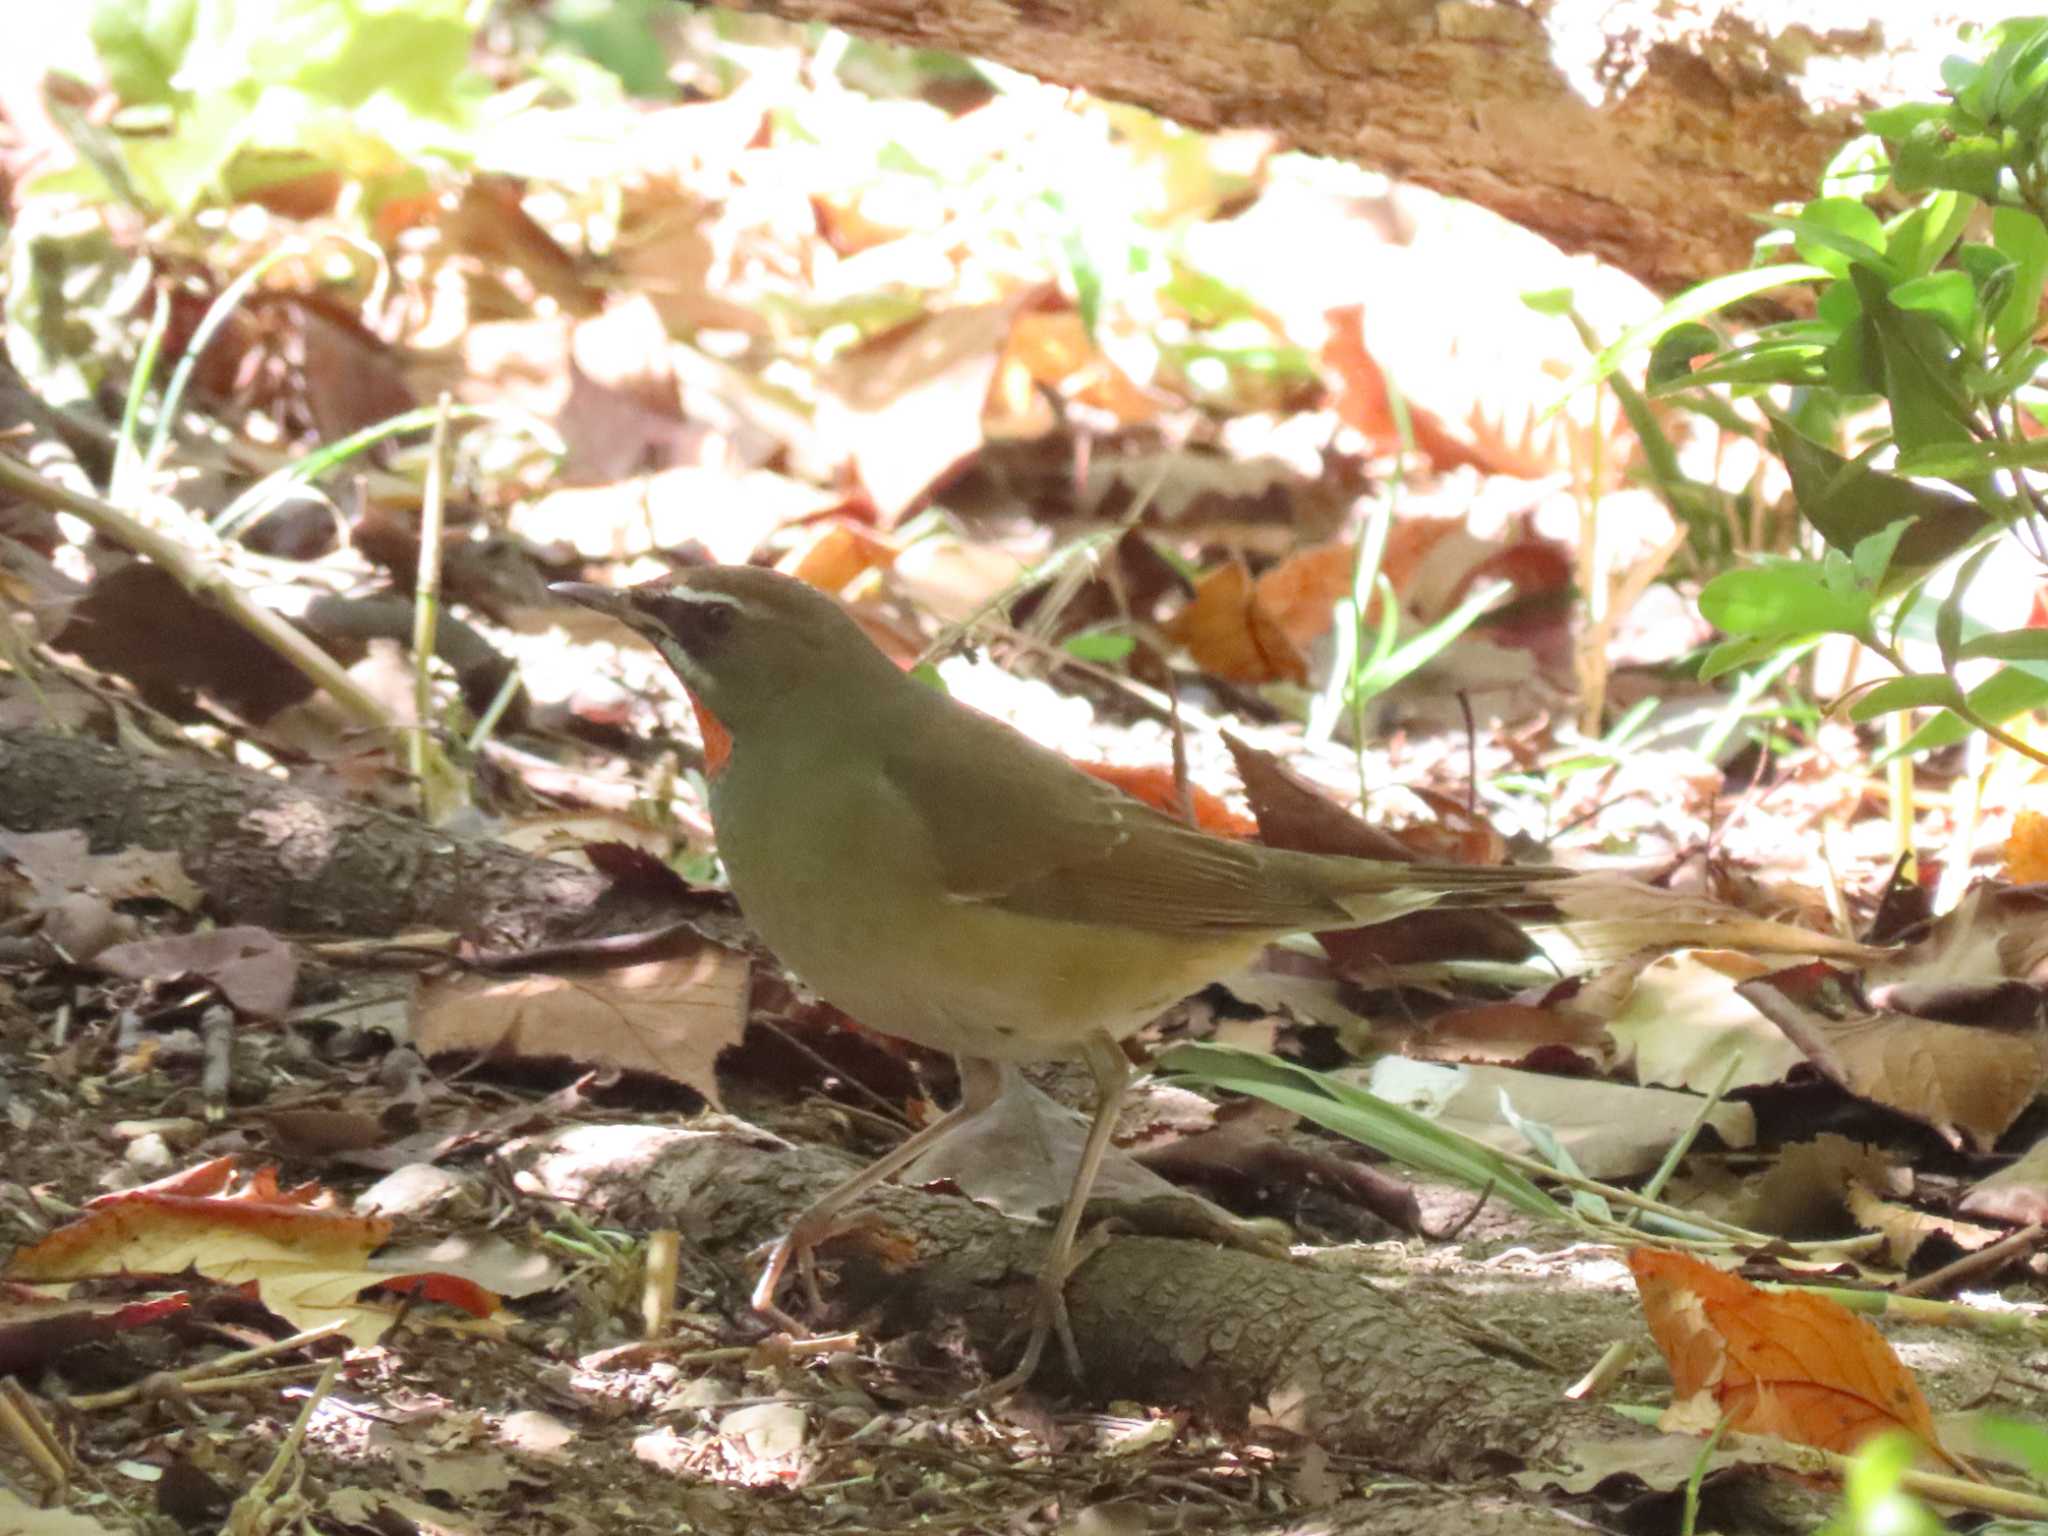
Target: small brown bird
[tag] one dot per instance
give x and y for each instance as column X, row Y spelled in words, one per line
column 942, row 878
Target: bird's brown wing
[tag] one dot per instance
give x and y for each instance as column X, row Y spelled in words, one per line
column 1019, row 827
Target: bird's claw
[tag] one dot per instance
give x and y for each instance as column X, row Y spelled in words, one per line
column 1050, row 1319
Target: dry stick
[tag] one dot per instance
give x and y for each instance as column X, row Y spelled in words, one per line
column 205, row 583
column 31, row 1432
column 1989, row 1257
column 249, row 1517
column 191, row 1375
column 658, row 1285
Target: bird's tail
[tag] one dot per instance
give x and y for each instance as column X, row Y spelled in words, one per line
column 1376, row 892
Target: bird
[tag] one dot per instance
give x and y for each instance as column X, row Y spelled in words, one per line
column 942, row 878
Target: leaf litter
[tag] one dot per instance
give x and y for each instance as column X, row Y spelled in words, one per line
column 827, row 330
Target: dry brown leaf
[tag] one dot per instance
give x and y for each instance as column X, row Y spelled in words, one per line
column 34, row 1328
column 1968, row 1084
column 671, row 1017
column 254, row 969
column 1904, row 1228
column 906, row 407
column 1303, row 590
column 1795, row 1364
column 1052, row 347
column 1515, row 1034
column 1230, row 633
column 1364, row 404
column 57, row 864
column 666, row 252
column 2017, row 1193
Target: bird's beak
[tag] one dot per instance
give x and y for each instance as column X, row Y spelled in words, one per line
column 609, row 600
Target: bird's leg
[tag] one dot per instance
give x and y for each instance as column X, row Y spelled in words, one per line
column 1112, row 1071
column 820, row 1220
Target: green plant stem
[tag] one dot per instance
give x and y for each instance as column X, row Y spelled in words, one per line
column 1961, row 709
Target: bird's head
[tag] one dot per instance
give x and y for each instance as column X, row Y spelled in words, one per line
column 752, row 646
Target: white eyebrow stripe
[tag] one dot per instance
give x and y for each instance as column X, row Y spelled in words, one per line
column 693, row 595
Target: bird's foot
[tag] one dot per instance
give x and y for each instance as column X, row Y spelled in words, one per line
column 1049, row 1319
column 800, row 1244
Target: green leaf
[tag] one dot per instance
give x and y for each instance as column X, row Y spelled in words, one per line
column 1671, row 359
column 2019, row 235
column 1948, row 620
column 2017, row 66
column 1872, row 556
column 1898, row 693
column 1947, row 295
column 2007, row 692
column 1101, row 646
column 1928, row 405
column 2015, row 370
column 1896, row 122
column 1921, row 236
column 1835, row 233
column 1399, row 1133
column 1848, row 501
column 2006, row 645
column 141, row 43
column 1703, row 299
column 1991, row 271
column 1784, row 600
column 1743, row 651
column 1964, row 461
column 1549, row 301
column 1791, row 354
column 1931, row 157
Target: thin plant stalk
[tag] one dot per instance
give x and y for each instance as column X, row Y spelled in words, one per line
column 128, row 479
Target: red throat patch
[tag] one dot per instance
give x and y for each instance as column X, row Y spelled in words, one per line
column 717, row 739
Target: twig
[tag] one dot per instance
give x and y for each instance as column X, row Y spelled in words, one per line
column 192, row 1375
column 204, row 582
column 31, row 1432
column 1989, row 1257
column 252, row 1515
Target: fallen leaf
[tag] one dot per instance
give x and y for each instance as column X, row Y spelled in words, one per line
column 254, row 969
column 308, row 1260
column 906, row 407
column 2016, row 1193
column 1230, row 633
column 1154, row 784
column 1680, row 1021
column 671, row 1017
column 2026, row 848
column 35, row 1328
column 1968, row 1084
column 835, row 554
column 1792, row 1364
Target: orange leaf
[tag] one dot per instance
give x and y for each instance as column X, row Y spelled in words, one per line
column 1154, row 785
column 835, row 554
column 1796, row 1365
column 1302, row 591
column 2026, row 849
column 1231, row 634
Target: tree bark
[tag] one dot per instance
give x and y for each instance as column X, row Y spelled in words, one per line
column 1614, row 129
column 264, row 852
column 1317, row 1351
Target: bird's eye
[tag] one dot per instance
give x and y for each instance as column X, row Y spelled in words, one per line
column 695, row 622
